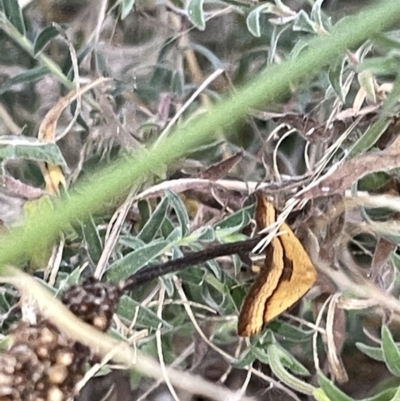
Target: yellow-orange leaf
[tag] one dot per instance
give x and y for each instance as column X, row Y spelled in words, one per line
column 52, row 174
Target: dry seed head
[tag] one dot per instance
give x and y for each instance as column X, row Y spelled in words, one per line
column 55, row 394
column 64, row 357
column 93, row 301
column 57, row 374
column 42, row 364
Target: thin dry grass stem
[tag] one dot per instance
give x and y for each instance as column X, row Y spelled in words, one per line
column 75, row 68
column 112, row 234
column 335, row 362
column 335, row 146
column 354, row 241
column 8, row 121
column 357, row 304
column 338, row 104
column 184, row 184
column 323, row 162
column 304, row 322
column 193, row 66
column 95, row 35
column 102, row 344
column 199, row 90
column 207, row 17
column 120, row 326
column 315, row 336
column 144, row 303
column 243, row 388
column 373, row 338
column 364, row 289
column 274, row 228
column 54, row 262
column 161, row 298
column 220, row 201
column 274, row 133
column 24, row 3
column 367, row 199
column 181, row 293
column 307, row 160
column 136, row 336
column 134, row 319
column 94, row 369
column 238, row 350
column 177, row 361
column 273, row 382
column 181, row 302
column 275, row 153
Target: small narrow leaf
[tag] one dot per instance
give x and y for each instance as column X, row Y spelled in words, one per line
column 290, row 362
column 175, row 235
column 155, row 222
column 23, row 147
column 233, row 223
column 303, row 23
column 208, row 54
column 135, row 260
column 196, row 14
column 260, row 354
column 289, row 332
column 366, row 80
column 131, row 242
column 92, row 239
column 319, row 395
column 144, row 212
column 167, row 228
column 245, row 359
column 213, row 266
column 335, row 76
column 330, row 390
column 26, row 77
column 396, row 261
column 180, row 211
column 373, row 352
column 370, row 137
column 396, row 397
column 127, row 6
column 146, row 317
column 44, row 37
column 14, row 14
column 205, row 234
column 253, row 19
column 391, row 352
column 283, row 375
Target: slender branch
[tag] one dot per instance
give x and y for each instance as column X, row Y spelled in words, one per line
column 187, row 260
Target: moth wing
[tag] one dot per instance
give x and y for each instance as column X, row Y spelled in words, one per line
column 265, row 214
column 251, row 318
column 291, row 288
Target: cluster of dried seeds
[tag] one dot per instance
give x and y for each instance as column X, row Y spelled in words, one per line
column 42, row 363
column 94, row 302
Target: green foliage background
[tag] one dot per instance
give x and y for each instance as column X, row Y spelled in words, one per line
column 163, row 230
